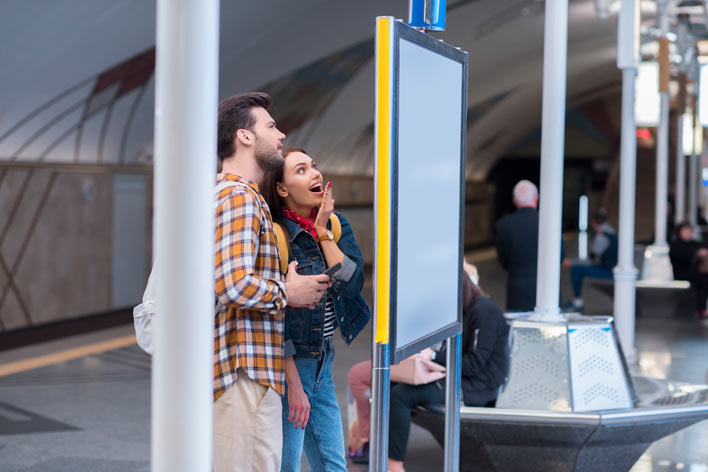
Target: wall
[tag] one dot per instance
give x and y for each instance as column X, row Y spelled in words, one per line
column 55, row 244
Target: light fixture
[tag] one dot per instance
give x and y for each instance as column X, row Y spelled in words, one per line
column 688, row 141
column 703, row 95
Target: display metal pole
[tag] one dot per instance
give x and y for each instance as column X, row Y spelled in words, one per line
column 625, row 273
column 186, row 97
column 378, row 442
column 552, row 145
column 452, row 404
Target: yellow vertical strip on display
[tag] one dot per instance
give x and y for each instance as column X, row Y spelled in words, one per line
column 383, row 176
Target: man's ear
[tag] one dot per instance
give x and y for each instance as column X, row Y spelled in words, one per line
column 244, row 137
column 282, row 191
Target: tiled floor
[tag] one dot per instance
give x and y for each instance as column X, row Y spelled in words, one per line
column 92, row 413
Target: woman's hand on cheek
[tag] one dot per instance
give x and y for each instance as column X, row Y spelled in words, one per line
column 326, row 209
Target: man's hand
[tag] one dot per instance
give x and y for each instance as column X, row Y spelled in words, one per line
column 304, row 291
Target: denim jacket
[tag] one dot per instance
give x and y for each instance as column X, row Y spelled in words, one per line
column 304, row 328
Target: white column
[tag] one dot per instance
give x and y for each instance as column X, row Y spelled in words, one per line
column 680, row 210
column 186, row 80
column 693, row 192
column 625, row 273
column 680, row 201
column 552, row 147
column 662, row 172
column 657, row 266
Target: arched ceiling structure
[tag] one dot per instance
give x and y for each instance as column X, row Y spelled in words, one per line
column 78, row 82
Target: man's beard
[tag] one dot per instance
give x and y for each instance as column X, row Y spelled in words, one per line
column 268, row 159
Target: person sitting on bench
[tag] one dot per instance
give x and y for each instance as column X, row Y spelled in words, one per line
column 603, row 254
column 689, row 259
column 484, row 366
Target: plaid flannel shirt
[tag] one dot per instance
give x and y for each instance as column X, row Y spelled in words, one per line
column 249, row 326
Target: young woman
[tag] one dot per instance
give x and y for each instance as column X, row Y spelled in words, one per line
column 302, row 204
column 485, row 365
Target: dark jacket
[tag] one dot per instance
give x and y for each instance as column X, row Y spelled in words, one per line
column 304, row 328
column 517, row 251
column 485, row 352
column 683, row 258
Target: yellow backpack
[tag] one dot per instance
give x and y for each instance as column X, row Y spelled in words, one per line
column 284, row 246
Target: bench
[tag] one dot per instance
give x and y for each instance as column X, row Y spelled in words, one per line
column 654, row 299
column 502, row 439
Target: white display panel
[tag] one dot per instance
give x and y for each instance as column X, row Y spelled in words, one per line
column 647, row 99
column 428, row 202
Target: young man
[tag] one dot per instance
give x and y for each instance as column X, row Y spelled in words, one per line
column 248, row 344
column 603, row 255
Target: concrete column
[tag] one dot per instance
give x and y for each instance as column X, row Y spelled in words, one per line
column 625, row 273
column 186, row 79
column 657, row 266
column 552, row 148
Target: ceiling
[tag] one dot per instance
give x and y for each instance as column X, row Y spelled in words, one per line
column 78, row 82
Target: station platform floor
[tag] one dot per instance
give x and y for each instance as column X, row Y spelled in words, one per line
column 83, row 403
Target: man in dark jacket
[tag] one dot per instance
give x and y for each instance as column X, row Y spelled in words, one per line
column 517, row 248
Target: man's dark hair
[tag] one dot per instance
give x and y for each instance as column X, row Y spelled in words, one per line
column 600, row 216
column 235, row 114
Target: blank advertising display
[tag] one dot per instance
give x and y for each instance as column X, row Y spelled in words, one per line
column 429, row 124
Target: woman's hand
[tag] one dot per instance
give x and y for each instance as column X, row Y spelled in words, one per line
column 299, row 406
column 298, row 403
column 326, row 209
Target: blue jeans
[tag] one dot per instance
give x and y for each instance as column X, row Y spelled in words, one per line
column 578, row 272
column 323, row 438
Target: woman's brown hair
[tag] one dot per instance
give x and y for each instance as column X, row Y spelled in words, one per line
column 471, row 292
column 269, row 186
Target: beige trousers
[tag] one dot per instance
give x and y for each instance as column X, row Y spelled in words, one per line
column 248, row 434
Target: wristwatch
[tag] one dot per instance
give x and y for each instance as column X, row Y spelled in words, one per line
column 327, row 236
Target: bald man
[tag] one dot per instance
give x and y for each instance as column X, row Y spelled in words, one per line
column 517, row 248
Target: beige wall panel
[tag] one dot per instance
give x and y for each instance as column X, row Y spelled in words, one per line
column 10, row 185
column 362, row 222
column 17, row 221
column 352, row 190
column 12, row 314
column 66, row 270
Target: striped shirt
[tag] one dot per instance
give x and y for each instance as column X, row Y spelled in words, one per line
column 249, row 326
column 329, row 318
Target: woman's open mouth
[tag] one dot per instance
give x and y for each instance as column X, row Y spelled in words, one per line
column 317, row 188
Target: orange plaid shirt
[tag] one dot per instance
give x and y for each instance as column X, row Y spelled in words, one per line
column 249, row 325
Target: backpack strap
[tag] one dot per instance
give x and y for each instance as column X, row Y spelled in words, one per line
column 282, row 245
column 336, row 227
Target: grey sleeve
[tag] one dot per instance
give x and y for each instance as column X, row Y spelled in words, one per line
column 600, row 244
column 347, row 271
column 288, row 349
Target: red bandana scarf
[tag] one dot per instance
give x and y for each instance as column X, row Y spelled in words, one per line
column 308, row 224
